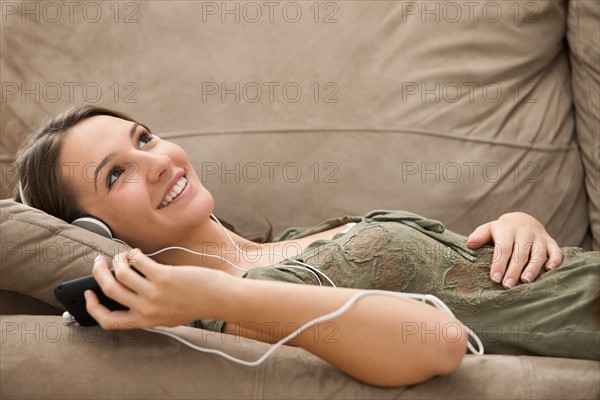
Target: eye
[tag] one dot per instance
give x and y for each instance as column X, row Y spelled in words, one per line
column 117, row 170
column 113, row 175
column 144, row 139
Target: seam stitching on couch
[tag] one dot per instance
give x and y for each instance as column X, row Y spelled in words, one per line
column 531, row 146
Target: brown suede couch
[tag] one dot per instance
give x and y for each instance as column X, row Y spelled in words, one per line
column 294, row 112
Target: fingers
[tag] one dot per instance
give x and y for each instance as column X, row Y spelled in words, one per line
column 503, row 250
column 514, row 267
column 510, row 258
column 527, row 260
column 129, row 284
column 106, row 318
column 129, row 270
column 522, row 248
column 111, row 286
column 555, row 255
column 480, row 236
column 536, row 254
column 527, row 256
column 144, row 264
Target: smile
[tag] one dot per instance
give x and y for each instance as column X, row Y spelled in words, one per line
column 174, row 192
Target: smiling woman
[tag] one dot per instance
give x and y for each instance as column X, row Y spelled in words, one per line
column 133, row 183
column 146, row 190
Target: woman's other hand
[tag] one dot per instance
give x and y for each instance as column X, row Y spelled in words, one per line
column 157, row 295
column 522, row 247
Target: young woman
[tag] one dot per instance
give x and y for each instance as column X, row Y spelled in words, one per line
column 95, row 161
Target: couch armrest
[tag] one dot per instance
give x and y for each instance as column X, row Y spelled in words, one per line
column 583, row 35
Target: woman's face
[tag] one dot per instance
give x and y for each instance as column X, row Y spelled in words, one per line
column 126, row 177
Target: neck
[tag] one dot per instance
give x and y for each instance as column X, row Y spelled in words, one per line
column 211, row 239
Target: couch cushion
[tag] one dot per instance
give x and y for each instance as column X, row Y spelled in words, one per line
column 40, row 251
column 17, row 303
column 138, row 364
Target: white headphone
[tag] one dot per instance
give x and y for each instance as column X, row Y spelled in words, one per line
column 95, row 225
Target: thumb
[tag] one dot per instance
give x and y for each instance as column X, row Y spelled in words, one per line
column 480, row 236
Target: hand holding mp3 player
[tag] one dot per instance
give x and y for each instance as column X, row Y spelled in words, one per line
column 70, row 295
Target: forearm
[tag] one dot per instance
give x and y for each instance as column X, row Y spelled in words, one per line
column 380, row 340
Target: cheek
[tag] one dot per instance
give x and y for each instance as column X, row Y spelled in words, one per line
column 177, row 153
column 180, row 157
column 127, row 209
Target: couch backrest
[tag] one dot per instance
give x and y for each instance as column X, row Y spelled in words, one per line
column 298, row 111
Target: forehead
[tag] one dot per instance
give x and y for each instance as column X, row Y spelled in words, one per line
column 98, row 127
column 93, row 135
column 88, row 142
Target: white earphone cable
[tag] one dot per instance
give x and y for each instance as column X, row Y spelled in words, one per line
column 433, row 300
column 219, row 257
column 302, row 265
column 436, row 302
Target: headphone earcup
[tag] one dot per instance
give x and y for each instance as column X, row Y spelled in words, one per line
column 93, row 225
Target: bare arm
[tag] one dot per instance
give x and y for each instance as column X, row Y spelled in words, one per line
column 380, row 340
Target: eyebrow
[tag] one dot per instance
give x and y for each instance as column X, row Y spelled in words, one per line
column 109, row 157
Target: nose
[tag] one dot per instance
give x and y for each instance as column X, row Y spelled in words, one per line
column 158, row 165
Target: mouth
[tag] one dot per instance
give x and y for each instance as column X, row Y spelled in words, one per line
column 174, row 192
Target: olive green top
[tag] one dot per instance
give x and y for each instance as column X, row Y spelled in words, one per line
column 401, row 251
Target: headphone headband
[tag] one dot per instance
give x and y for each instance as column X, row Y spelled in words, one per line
column 94, row 225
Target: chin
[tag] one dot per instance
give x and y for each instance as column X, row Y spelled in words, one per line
column 203, row 205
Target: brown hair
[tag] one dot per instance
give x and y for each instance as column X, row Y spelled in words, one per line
column 38, row 162
column 39, row 172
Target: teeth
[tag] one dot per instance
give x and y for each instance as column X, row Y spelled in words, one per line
column 175, row 190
